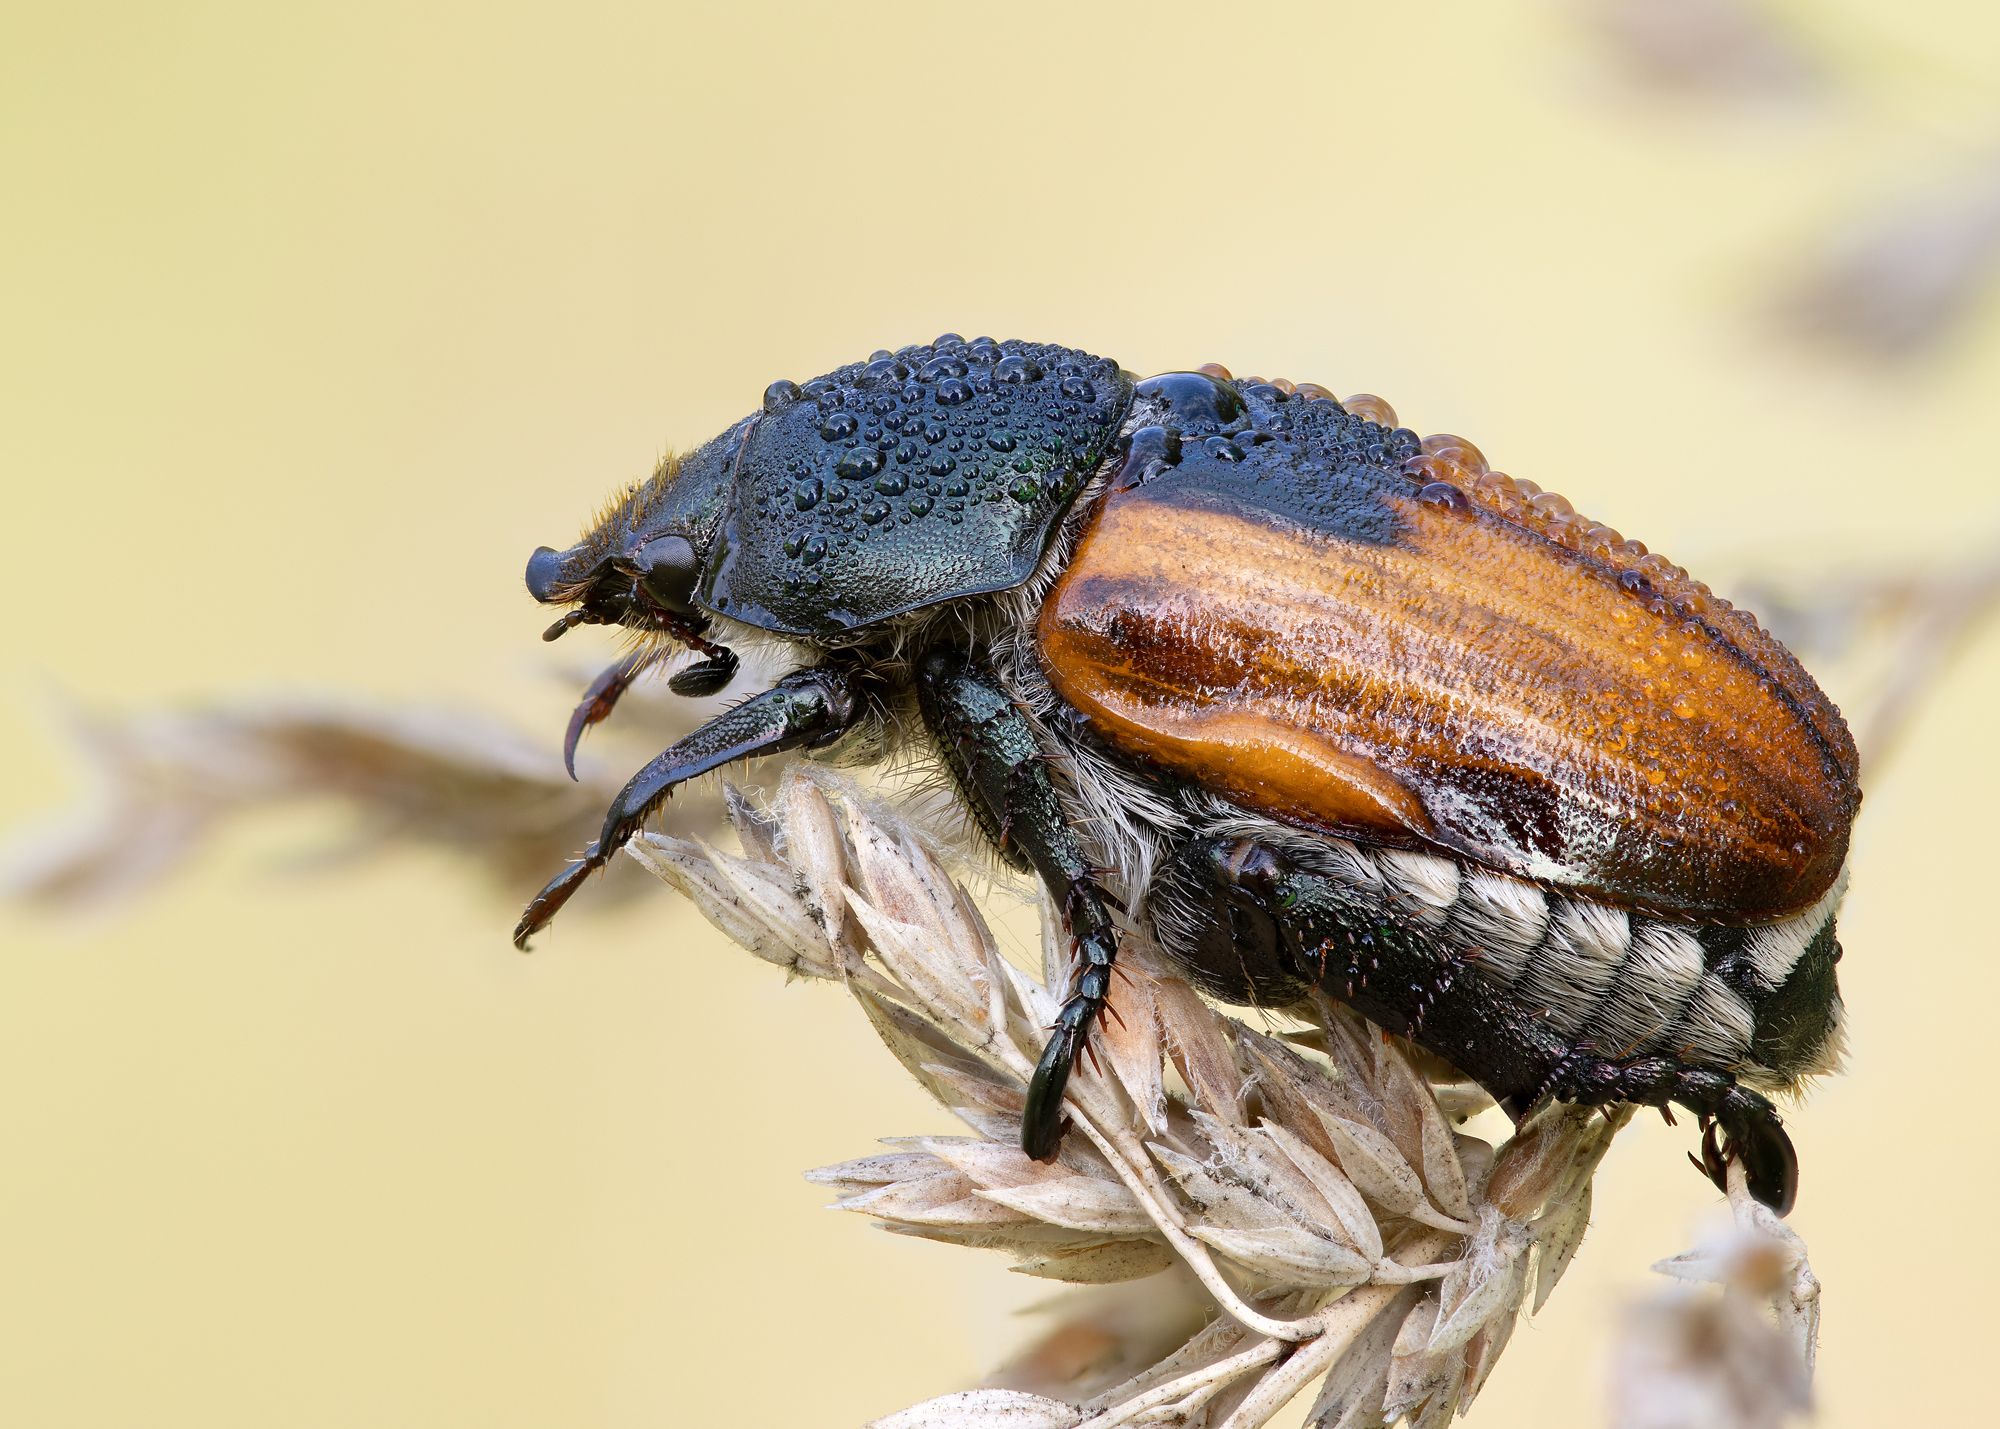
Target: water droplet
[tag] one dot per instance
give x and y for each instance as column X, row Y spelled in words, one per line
column 808, row 494
column 1223, row 449
column 947, row 339
column 1026, row 492
column 1078, row 390
column 893, row 484
column 1444, row 495
column 1370, row 408
column 920, row 506
column 952, row 391
column 907, row 451
column 1456, row 450
column 815, row 549
column 780, row 394
column 1014, row 368
column 940, row 465
column 840, row 424
column 939, row 367
column 1199, row 402
column 1599, row 539
column 1002, row 443
column 859, row 464
column 874, row 512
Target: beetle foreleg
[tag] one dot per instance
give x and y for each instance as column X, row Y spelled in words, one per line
column 805, row 707
column 997, row 758
column 602, row 697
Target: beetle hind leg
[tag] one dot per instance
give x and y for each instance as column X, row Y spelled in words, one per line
column 1252, row 924
column 1738, row 1125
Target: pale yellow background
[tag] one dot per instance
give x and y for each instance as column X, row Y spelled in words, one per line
column 314, row 318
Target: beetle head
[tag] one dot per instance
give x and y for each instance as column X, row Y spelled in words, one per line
column 921, row 476
column 641, row 563
column 646, row 583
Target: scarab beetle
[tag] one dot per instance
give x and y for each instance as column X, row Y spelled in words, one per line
column 1319, row 702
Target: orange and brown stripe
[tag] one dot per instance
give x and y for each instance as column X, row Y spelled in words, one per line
column 1473, row 684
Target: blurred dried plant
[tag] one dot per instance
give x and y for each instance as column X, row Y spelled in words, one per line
column 1898, row 280
column 1908, row 267
column 1729, row 49
column 163, row 781
column 1320, row 1220
column 1740, row 1360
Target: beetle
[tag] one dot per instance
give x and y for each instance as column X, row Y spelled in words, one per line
column 1318, row 702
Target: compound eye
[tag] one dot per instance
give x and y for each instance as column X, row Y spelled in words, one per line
column 543, row 568
column 667, row 567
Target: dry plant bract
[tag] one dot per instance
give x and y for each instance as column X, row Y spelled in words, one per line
column 1316, row 1222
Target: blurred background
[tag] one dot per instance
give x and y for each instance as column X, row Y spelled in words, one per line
column 319, row 316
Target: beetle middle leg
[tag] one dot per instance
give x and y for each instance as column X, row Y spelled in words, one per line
column 1253, row 925
column 997, row 758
